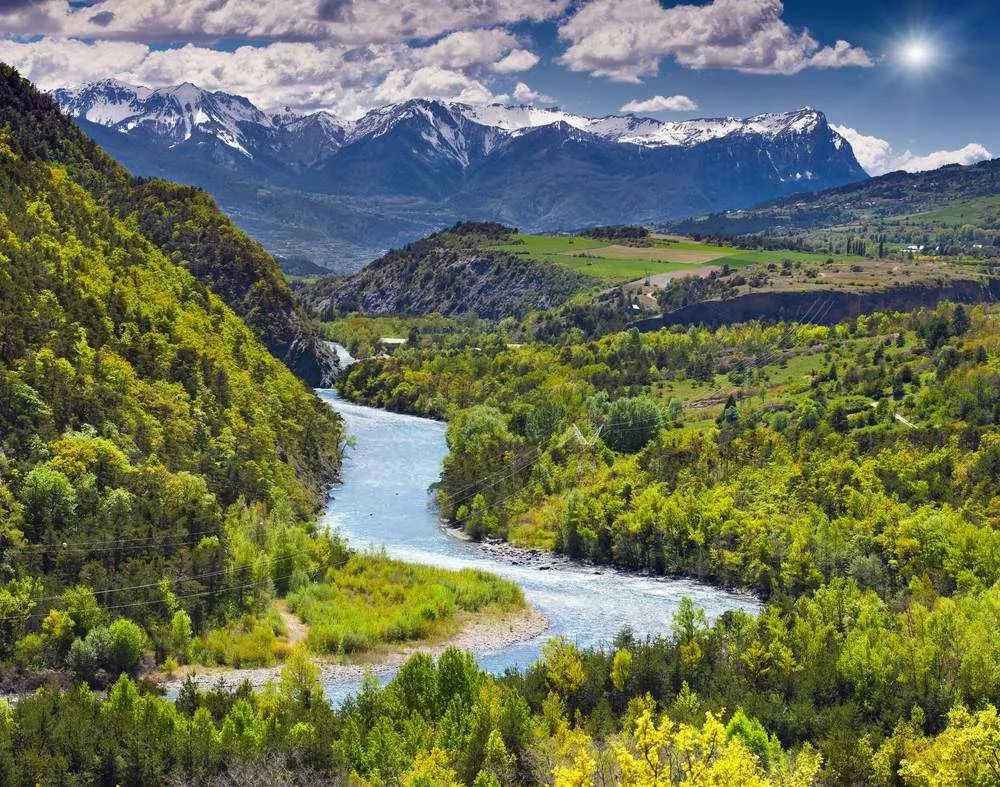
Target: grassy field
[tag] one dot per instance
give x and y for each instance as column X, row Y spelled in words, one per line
column 851, row 274
column 980, row 212
column 374, row 602
column 614, row 264
column 364, row 607
column 750, row 256
column 703, row 400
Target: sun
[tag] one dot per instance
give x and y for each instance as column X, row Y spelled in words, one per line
column 916, row 53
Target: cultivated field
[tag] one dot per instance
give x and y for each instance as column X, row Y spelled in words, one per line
column 664, row 259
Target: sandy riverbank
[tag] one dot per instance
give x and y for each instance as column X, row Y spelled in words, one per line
column 481, row 634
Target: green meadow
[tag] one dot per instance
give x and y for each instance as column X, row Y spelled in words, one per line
column 612, row 264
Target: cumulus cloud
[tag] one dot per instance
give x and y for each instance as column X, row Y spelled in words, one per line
column 523, row 94
column 495, row 48
column 341, row 55
column 873, row 154
column 469, row 48
column 517, row 60
column 336, row 21
column 345, row 80
column 661, row 104
column 969, row 154
column 625, row 40
column 53, row 62
column 877, row 157
column 431, row 82
column 841, row 55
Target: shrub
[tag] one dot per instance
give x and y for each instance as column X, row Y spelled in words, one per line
column 82, row 659
column 126, row 642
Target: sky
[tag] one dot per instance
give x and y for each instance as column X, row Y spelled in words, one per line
column 912, row 85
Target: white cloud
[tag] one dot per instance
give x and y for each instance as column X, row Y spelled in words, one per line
column 468, row 48
column 494, row 48
column 661, row 104
column 873, row 154
column 517, row 60
column 625, row 40
column 523, row 94
column 345, row 80
column 970, row 154
column 349, row 22
column 877, row 157
column 841, row 55
column 342, row 55
column 52, row 62
column 431, row 82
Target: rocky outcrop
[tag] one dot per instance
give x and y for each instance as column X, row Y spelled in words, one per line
column 449, row 272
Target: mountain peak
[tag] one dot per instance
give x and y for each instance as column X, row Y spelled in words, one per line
column 114, row 103
column 185, row 89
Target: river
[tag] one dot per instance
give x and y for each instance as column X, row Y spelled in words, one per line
column 385, row 502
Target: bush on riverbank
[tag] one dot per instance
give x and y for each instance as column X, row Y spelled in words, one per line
column 250, row 642
column 368, row 602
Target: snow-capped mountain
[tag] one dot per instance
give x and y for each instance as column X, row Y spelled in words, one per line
column 640, row 130
column 188, row 114
column 416, row 165
column 176, row 114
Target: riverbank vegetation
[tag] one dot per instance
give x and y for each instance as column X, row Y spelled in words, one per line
column 373, row 602
column 364, row 605
column 848, row 474
column 362, row 335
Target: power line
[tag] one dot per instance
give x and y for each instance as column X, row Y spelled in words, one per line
column 272, row 562
column 459, row 496
column 87, row 544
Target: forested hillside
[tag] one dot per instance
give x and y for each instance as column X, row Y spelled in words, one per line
column 849, row 474
column 157, row 464
column 749, row 455
column 181, row 221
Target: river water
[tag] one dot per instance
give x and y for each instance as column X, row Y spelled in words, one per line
column 385, row 502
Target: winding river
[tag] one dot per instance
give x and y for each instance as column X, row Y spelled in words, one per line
column 385, row 502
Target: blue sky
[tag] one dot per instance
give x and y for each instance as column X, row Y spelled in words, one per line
column 948, row 103
column 669, row 60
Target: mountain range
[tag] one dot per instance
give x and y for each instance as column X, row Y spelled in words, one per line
column 336, row 191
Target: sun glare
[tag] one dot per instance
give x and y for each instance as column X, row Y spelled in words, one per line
column 916, row 53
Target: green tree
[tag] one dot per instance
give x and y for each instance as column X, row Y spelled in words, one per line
column 126, row 643
column 960, row 322
column 181, row 636
column 49, row 501
column 631, row 423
